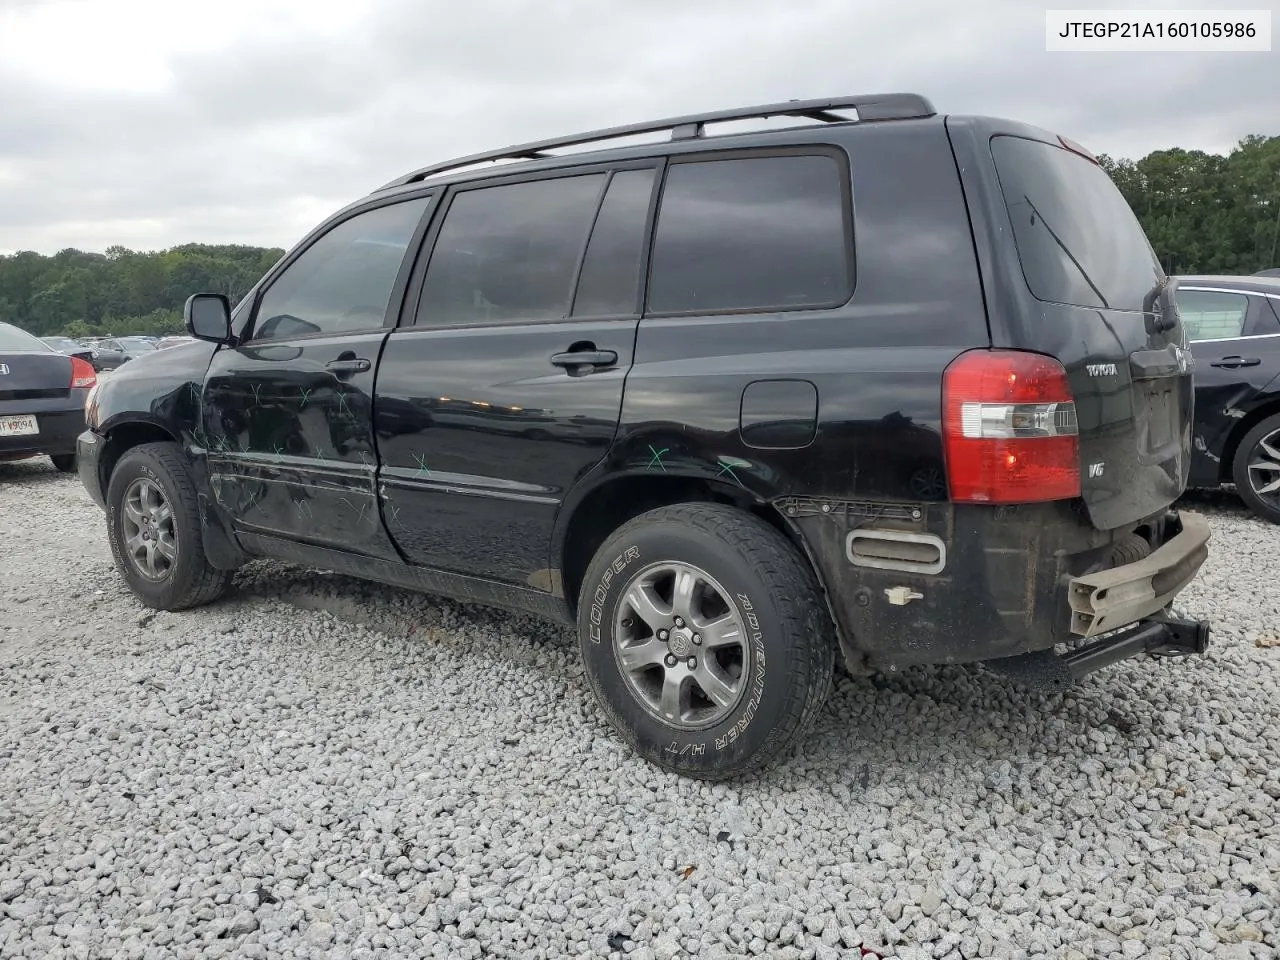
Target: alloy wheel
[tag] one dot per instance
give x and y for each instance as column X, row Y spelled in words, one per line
column 1264, row 468
column 681, row 645
column 148, row 531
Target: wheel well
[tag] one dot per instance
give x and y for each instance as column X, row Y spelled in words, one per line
column 122, row 439
column 612, row 504
column 1247, row 423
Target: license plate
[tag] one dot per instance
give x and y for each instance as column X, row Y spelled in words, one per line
column 18, row 427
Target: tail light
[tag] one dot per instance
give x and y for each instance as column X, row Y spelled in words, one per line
column 82, row 374
column 1009, row 424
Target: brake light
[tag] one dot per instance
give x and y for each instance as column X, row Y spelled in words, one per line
column 1009, row 425
column 82, row 374
column 1079, row 150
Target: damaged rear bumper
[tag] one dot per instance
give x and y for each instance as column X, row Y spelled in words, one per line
column 1122, row 612
column 1111, row 599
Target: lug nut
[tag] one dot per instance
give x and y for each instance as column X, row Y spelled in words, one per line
column 697, row 638
column 662, row 635
column 671, row 660
column 693, row 663
column 679, row 622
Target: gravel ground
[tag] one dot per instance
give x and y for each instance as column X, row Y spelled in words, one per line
column 316, row 767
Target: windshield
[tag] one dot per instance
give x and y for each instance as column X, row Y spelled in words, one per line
column 1077, row 239
column 19, row 341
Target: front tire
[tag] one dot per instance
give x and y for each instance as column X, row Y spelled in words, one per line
column 64, row 462
column 1256, row 469
column 153, row 524
column 706, row 639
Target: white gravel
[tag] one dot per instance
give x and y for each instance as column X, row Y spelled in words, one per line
column 316, row 767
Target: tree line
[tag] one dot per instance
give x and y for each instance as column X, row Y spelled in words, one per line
column 1204, row 213
column 122, row 291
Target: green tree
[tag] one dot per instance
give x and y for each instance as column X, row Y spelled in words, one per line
column 122, row 291
column 1206, row 213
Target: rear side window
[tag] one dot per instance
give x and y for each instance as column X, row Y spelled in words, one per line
column 1077, row 239
column 509, row 252
column 1207, row 315
column 16, row 340
column 610, row 281
column 751, row 233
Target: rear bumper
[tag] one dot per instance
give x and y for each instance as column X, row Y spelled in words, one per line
column 936, row 583
column 58, row 430
column 1110, row 599
column 88, row 457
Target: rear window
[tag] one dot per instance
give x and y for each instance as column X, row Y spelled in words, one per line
column 1077, row 239
column 11, row 338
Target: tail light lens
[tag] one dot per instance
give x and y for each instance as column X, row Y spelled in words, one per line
column 82, row 374
column 1010, row 431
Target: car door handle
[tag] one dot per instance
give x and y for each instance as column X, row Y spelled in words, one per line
column 585, row 358
column 348, row 365
column 1231, row 363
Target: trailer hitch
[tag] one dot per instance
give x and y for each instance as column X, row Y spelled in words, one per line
column 1161, row 637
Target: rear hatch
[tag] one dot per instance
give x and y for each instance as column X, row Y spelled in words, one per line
column 29, row 370
column 1100, row 303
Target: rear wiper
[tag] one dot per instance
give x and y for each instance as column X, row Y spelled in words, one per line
column 1070, row 256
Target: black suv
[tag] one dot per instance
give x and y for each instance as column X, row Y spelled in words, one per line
column 908, row 387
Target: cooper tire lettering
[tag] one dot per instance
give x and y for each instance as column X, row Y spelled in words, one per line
column 601, row 594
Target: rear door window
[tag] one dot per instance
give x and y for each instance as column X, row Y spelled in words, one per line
column 509, row 253
column 1077, row 239
column 752, row 233
column 1209, row 315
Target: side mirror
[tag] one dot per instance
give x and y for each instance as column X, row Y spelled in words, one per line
column 208, row 317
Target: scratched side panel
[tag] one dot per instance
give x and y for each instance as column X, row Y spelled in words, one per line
column 290, row 443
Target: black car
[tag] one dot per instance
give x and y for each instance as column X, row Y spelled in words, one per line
column 903, row 386
column 1234, row 327
column 42, row 399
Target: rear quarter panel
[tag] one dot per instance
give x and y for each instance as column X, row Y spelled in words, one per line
column 875, row 362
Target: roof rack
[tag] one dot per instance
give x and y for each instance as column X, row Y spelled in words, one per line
column 880, row 106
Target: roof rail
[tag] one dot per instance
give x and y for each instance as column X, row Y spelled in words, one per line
column 881, row 106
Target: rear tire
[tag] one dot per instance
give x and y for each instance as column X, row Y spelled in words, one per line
column 1258, row 451
column 153, row 524
column 65, row 462
column 698, row 702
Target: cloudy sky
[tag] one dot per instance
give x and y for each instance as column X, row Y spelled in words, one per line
column 154, row 122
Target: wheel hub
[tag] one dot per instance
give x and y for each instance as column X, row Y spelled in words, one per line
column 680, row 642
column 680, row 645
